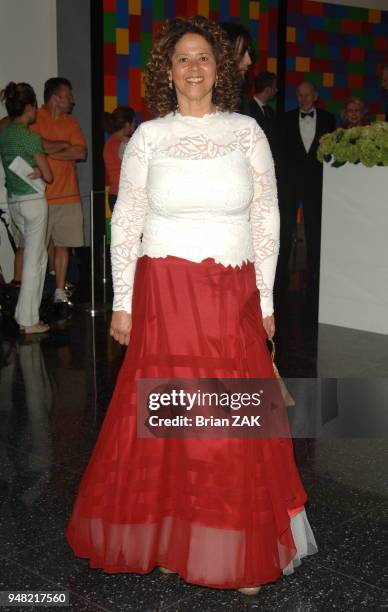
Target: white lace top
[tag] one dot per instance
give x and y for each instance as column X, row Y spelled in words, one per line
column 196, row 188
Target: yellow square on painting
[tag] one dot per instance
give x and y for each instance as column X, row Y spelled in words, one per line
column 272, row 64
column 122, row 42
column 291, row 34
column 302, row 64
column 254, row 10
column 374, row 16
column 110, row 103
column 328, row 79
column 203, row 8
column 380, row 117
column 134, row 7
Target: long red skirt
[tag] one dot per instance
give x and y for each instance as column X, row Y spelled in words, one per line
column 216, row 511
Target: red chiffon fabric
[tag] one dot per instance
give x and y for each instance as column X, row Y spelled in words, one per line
column 216, row 511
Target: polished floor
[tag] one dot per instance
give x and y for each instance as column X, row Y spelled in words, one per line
column 54, row 393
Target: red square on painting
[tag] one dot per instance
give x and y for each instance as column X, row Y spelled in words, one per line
column 295, row 78
column 109, row 6
column 109, row 58
column 317, row 37
column 374, row 108
column 357, row 55
column 294, row 6
column 367, row 28
column 234, row 8
column 340, row 93
column 156, row 27
column 356, row 80
column 350, row 26
column 312, row 8
column 109, row 85
column 321, row 65
column 345, row 53
column 381, row 43
column 134, row 77
column 293, row 49
column 134, row 28
column 191, row 8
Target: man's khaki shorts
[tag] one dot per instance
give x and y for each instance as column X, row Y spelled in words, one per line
column 65, row 224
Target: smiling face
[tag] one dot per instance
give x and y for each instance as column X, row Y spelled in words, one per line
column 193, row 72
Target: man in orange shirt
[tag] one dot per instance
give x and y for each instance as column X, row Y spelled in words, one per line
column 65, row 145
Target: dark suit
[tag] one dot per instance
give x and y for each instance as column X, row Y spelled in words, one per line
column 268, row 124
column 301, row 181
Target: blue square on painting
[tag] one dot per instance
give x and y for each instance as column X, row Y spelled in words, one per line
column 353, row 40
column 316, row 22
column 340, row 11
column 381, row 29
column 122, row 91
column 305, row 50
column 369, row 93
column 339, row 66
column 290, row 63
column 134, row 55
column 372, row 55
column 272, row 44
column 325, row 93
column 169, row 9
column 122, row 66
column 147, row 4
column 301, row 35
column 296, row 20
column 340, row 79
column 146, row 19
column 224, row 10
column 122, row 13
column 335, row 38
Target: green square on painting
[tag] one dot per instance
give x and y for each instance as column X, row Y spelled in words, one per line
column 214, row 5
column 367, row 42
column 356, row 67
column 158, row 10
column 315, row 78
column 321, row 51
column 110, row 27
column 357, row 92
column 264, row 6
column 145, row 48
column 358, row 14
column 332, row 24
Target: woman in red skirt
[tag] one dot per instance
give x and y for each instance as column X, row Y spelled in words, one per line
column 194, row 248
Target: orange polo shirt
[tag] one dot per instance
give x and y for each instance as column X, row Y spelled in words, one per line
column 64, row 188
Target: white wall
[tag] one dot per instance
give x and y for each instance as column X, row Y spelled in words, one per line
column 28, row 52
column 28, row 42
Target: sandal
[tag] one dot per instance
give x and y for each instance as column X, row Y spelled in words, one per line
column 38, row 328
column 249, row 590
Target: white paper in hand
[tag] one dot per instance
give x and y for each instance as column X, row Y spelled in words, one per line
column 22, row 169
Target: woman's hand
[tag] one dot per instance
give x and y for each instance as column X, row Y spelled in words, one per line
column 35, row 174
column 269, row 326
column 120, row 327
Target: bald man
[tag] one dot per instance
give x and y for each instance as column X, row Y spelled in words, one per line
column 301, row 181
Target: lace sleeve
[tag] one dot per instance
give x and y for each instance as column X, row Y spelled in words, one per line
column 128, row 219
column 264, row 218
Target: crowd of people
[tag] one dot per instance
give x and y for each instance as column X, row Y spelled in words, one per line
column 49, row 139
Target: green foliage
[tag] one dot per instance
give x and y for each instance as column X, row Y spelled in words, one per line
column 367, row 145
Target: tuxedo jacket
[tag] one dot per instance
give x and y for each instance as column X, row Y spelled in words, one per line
column 268, row 125
column 298, row 167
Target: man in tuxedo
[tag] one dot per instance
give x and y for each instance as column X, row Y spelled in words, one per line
column 258, row 108
column 301, row 181
column 384, row 84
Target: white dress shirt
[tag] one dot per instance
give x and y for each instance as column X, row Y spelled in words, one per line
column 307, row 127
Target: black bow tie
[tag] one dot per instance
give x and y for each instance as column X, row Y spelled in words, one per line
column 310, row 114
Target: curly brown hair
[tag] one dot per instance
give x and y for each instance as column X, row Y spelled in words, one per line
column 160, row 97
